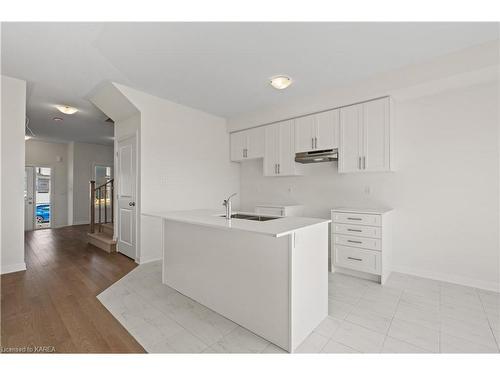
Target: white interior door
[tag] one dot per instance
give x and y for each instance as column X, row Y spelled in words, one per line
column 29, row 198
column 126, row 197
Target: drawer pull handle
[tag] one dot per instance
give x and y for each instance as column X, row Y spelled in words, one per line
column 354, row 218
column 351, row 258
column 354, row 230
column 352, row 241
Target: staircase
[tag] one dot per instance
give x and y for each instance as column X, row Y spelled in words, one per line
column 101, row 216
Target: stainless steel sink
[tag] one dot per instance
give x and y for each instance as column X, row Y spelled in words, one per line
column 252, row 217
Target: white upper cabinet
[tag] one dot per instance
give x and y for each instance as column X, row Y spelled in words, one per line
column 317, row 132
column 238, row 146
column 247, row 144
column 305, row 132
column 279, row 157
column 365, row 137
column 256, row 142
column 327, row 130
column 377, row 135
column 351, row 139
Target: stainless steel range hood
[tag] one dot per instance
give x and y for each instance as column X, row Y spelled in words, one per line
column 319, row 156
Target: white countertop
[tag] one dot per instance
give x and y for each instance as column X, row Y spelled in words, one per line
column 379, row 211
column 211, row 218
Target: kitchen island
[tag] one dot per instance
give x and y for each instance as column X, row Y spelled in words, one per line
column 269, row 276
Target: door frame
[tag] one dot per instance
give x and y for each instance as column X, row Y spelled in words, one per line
column 52, row 192
column 135, row 135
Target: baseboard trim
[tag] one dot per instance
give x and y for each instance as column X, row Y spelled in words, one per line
column 465, row 281
column 148, row 260
column 81, row 222
column 9, row 268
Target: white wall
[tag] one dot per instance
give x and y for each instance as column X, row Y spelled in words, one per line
column 46, row 154
column 445, row 191
column 13, row 113
column 184, row 161
column 475, row 64
column 85, row 157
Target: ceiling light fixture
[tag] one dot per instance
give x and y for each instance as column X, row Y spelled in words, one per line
column 280, row 82
column 66, row 109
column 57, row 119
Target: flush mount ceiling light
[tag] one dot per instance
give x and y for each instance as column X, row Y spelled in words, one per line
column 66, row 109
column 280, row 82
column 57, row 119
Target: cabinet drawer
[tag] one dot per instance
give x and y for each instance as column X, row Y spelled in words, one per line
column 363, row 242
column 358, row 259
column 357, row 230
column 354, row 218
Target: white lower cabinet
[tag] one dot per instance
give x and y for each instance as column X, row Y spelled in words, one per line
column 358, row 259
column 362, row 240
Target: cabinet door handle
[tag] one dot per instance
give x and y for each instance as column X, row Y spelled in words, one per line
column 352, row 241
column 275, row 169
column 312, row 143
column 351, row 258
column 359, row 162
column 354, row 218
column 278, row 168
column 354, row 230
column 315, row 142
column 364, row 162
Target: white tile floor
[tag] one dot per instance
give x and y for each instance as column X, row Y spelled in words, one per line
column 407, row 315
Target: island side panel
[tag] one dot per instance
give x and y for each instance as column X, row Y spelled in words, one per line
column 309, row 281
column 241, row 275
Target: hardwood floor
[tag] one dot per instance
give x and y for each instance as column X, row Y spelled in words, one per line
column 53, row 303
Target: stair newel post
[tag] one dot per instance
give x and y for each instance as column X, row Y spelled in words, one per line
column 99, row 200
column 92, row 206
column 105, row 203
column 112, row 201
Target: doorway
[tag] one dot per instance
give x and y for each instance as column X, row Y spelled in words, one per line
column 38, row 208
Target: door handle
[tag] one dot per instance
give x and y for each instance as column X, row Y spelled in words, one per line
column 131, row 204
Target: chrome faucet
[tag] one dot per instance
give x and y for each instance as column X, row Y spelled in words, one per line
column 227, row 204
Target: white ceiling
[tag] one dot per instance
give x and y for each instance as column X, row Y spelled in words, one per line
column 221, row 68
